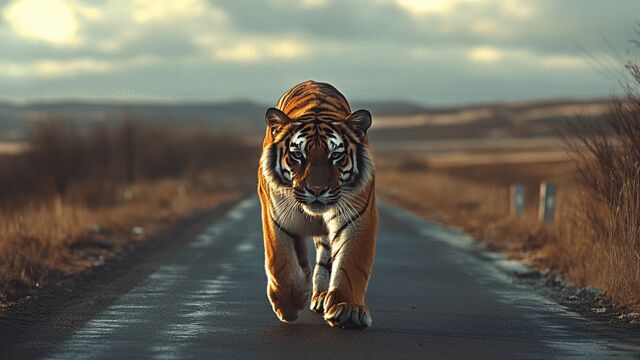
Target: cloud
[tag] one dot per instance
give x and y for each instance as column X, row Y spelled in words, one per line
column 51, row 21
column 564, row 62
column 56, row 22
column 145, row 11
column 488, row 28
column 50, row 68
column 253, row 51
column 526, row 58
column 519, row 9
column 337, row 20
column 11, row 69
column 238, row 53
column 516, row 8
column 53, row 68
column 287, row 50
column 314, row 3
column 420, row 7
column 377, row 48
column 485, row 54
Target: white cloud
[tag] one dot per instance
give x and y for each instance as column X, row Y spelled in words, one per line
column 486, row 54
column 143, row 11
column 425, row 6
column 53, row 21
column 52, row 68
column 244, row 53
column 149, row 27
column 523, row 57
column 563, row 62
column 314, row 3
column 513, row 8
column 258, row 50
column 48, row 68
column 287, row 49
column 488, row 20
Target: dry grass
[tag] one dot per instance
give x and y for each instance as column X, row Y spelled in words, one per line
column 42, row 243
column 595, row 237
column 476, row 199
column 90, row 165
column 608, row 166
column 74, row 198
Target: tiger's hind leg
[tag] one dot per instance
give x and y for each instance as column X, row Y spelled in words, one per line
column 321, row 273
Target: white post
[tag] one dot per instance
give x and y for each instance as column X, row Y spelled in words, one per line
column 517, row 199
column 547, row 202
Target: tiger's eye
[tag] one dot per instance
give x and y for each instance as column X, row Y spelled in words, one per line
column 297, row 155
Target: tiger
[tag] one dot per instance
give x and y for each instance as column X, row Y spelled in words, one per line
column 316, row 180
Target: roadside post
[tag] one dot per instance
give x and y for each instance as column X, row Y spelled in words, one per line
column 547, row 202
column 517, row 199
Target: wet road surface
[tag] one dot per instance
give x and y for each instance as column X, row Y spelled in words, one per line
column 430, row 296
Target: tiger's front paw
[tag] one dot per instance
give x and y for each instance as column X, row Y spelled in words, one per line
column 345, row 315
column 287, row 304
column 317, row 302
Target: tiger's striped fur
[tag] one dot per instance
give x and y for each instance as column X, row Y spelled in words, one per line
column 316, row 179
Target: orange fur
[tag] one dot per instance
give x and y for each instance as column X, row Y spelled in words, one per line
column 316, row 179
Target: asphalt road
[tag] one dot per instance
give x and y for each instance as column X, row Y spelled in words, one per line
column 430, row 296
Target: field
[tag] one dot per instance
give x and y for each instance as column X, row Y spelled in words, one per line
column 471, row 190
column 71, row 199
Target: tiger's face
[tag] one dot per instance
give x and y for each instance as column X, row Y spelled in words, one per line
column 317, row 164
column 320, row 163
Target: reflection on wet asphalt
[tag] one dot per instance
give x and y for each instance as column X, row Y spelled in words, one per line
column 430, row 296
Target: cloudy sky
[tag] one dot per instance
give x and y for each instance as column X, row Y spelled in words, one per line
column 434, row 52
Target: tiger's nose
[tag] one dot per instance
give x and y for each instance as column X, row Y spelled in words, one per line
column 317, row 190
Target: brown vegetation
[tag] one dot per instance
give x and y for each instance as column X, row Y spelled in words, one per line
column 76, row 196
column 595, row 237
column 476, row 198
column 89, row 166
column 609, row 170
column 478, row 202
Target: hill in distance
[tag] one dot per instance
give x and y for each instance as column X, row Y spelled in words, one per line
column 393, row 120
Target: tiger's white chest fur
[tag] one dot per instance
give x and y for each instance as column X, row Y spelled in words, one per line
column 290, row 215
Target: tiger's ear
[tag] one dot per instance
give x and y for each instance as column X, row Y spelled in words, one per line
column 276, row 119
column 359, row 121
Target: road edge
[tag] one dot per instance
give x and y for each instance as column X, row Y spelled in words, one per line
column 589, row 302
column 60, row 309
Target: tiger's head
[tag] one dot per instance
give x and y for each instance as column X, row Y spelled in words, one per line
column 323, row 164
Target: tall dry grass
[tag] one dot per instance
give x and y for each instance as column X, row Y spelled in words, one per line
column 595, row 237
column 608, row 168
column 73, row 196
column 90, row 165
